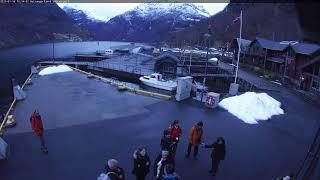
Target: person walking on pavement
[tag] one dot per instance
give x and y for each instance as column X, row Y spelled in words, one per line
column 195, row 137
column 113, row 171
column 218, row 153
column 141, row 164
column 37, row 127
column 169, row 173
column 175, row 133
column 160, row 162
column 166, row 141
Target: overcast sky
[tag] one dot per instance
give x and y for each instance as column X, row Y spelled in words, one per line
column 105, row 11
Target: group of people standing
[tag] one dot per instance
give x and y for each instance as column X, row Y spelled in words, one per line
column 164, row 164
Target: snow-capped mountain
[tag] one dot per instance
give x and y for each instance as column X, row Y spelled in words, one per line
column 86, row 21
column 182, row 11
column 148, row 22
column 80, row 16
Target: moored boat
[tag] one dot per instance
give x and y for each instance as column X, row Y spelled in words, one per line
column 155, row 80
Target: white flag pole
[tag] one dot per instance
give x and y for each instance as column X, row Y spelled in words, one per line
column 239, row 49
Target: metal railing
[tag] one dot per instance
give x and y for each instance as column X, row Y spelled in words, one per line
column 4, row 121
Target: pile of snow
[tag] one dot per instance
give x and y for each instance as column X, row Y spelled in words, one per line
column 251, row 107
column 54, row 69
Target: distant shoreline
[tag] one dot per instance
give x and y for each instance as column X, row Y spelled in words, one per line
column 50, row 42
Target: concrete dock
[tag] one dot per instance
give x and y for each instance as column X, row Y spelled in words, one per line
column 88, row 121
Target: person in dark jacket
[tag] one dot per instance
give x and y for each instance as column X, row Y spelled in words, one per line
column 218, row 153
column 160, row 162
column 141, row 163
column 37, row 127
column 175, row 133
column 169, row 173
column 195, row 137
column 113, row 171
column 166, row 141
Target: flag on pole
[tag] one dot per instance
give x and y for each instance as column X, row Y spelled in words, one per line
column 234, row 21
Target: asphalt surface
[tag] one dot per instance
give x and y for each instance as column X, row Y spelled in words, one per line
column 87, row 122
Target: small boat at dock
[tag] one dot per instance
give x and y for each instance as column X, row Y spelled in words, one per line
column 155, row 80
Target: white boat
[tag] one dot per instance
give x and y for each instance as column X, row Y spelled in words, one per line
column 155, row 80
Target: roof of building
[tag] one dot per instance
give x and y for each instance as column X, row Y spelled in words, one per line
column 235, row 42
column 167, row 55
column 271, row 45
column 305, row 48
column 244, row 42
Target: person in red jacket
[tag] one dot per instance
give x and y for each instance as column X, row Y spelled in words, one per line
column 175, row 133
column 37, row 127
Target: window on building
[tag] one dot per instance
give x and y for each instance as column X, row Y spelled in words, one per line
column 168, row 68
column 316, row 84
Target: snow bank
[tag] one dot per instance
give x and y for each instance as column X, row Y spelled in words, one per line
column 54, row 69
column 251, row 107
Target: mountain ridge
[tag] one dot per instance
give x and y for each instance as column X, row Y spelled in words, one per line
column 24, row 24
column 148, row 22
column 274, row 21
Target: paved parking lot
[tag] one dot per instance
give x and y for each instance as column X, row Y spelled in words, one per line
column 88, row 122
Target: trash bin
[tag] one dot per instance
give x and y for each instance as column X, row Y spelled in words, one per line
column 234, row 88
column 212, row 100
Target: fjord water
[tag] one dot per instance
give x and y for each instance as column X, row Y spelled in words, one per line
column 16, row 62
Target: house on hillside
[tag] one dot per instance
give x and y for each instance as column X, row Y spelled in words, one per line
column 167, row 65
column 268, row 54
column 234, row 47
